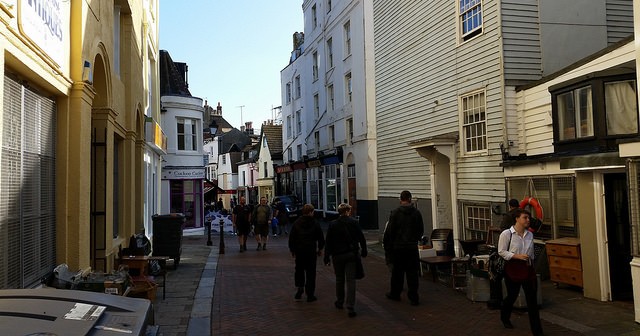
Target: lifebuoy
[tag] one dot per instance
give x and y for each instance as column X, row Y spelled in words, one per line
column 537, row 208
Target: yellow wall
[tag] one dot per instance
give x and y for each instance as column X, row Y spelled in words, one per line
column 115, row 102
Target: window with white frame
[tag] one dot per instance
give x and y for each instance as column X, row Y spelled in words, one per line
column 351, row 171
column 299, row 152
column 331, row 97
column 288, row 93
column 187, row 134
column 350, row 131
column 224, row 159
column 474, row 122
column 314, row 16
column 477, row 220
column 316, row 140
column 265, row 169
column 347, row 39
column 348, row 87
column 289, row 154
column 298, row 89
column 315, row 65
column 332, row 136
column 298, row 122
column 330, row 53
column 470, row 12
column 316, row 106
column 289, row 131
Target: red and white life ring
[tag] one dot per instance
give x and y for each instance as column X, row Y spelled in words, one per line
column 535, row 205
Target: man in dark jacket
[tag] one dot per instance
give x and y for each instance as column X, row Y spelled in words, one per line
column 400, row 241
column 345, row 244
column 306, row 242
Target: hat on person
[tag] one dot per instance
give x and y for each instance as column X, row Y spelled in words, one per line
column 514, row 203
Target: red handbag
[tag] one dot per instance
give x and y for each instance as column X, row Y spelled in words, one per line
column 518, row 270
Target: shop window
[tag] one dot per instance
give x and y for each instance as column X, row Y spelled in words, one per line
column 556, row 196
column 332, row 186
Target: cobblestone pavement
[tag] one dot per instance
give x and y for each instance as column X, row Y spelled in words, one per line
column 253, row 295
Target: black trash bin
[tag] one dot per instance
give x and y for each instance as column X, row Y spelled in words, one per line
column 167, row 236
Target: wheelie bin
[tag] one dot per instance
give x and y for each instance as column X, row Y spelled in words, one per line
column 167, row 236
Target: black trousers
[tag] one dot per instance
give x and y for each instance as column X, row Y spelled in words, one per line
column 305, row 271
column 530, row 287
column 405, row 262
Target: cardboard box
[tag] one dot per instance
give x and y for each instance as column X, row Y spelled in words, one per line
column 109, row 284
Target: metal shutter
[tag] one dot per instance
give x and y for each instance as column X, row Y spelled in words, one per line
column 27, row 200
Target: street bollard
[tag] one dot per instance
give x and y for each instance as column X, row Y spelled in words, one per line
column 221, row 251
column 209, row 242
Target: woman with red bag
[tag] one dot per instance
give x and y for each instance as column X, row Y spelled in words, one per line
column 516, row 247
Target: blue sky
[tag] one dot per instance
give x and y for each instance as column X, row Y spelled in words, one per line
column 235, row 50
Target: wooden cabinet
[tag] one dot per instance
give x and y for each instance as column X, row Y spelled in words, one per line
column 565, row 261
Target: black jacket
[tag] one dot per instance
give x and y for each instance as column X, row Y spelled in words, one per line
column 344, row 236
column 404, row 230
column 306, row 236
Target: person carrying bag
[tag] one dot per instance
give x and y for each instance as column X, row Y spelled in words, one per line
column 516, row 247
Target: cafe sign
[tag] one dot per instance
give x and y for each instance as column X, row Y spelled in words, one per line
column 183, row 174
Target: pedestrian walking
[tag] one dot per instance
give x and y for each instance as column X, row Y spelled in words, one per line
column 261, row 218
column 345, row 244
column 516, row 246
column 305, row 244
column 400, row 239
column 242, row 223
column 282, row 216
column 220, row 205
column 495, row 282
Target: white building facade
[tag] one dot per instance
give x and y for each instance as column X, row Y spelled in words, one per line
column 328, row 117
column 183, row 170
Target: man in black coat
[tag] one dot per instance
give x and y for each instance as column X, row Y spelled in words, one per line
column 401, row 236
column 306, row 242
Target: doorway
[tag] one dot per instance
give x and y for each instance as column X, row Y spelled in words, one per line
column 618, row 235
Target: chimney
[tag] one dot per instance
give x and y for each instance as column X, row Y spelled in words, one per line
column 242, row 129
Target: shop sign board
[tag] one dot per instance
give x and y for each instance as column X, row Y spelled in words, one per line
column 183, row 174
column 44, row 24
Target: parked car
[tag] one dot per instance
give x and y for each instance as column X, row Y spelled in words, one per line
column 291, row 204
